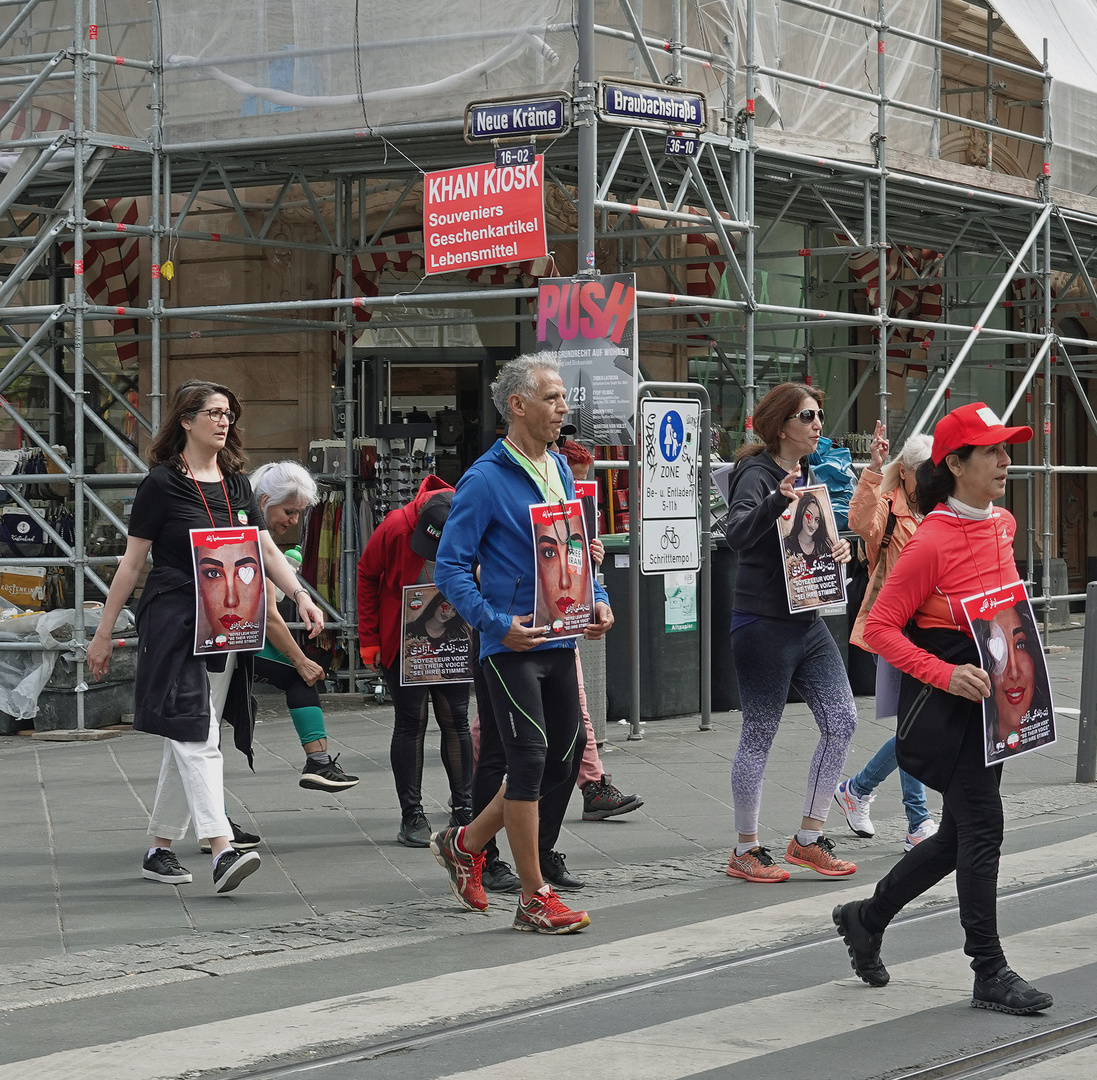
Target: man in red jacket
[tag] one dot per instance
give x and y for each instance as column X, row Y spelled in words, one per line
column 401, row 552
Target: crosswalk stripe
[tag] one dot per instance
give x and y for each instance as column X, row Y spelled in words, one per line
column 241, row 1041
column 722, row 1037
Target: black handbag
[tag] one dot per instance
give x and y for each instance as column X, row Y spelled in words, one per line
column 931, row 722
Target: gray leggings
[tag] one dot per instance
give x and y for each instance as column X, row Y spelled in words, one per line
column 769, row 654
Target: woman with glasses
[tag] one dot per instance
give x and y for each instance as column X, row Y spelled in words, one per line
column 196, row 482
column 285, row 490
column 773, row 648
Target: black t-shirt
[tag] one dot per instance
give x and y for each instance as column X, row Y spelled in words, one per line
column 168, row 505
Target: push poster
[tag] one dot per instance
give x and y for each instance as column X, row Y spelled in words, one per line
column 435, row 643
column 590, row 324
column 1018, row 716
column 230, row 590
column 808, row 535
column 564, row 582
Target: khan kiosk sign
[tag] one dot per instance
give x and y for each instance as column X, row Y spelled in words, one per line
column 482, row 216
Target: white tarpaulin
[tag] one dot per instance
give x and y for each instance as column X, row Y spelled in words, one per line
column 1070, row 27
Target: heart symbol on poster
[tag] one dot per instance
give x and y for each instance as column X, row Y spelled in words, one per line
column 246, row 574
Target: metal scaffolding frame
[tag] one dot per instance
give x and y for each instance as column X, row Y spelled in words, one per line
column 744, row 192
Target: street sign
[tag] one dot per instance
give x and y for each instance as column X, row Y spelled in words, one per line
column 652, row 106
column 681, row 145
column 506, row 157
column 669, row 445
column 519, row 118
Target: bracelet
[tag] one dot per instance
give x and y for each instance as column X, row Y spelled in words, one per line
column 296, row 591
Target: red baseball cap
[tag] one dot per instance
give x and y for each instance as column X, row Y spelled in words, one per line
column 973, row 425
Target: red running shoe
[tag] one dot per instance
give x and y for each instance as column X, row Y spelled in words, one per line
column 465, row 871
column 818, row 857
column 546, row 913
column 756, row 865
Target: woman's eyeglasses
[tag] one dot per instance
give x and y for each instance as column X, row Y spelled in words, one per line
column 217, row 415
column 806, row 416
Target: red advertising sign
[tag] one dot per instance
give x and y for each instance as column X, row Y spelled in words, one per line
column 482, row 216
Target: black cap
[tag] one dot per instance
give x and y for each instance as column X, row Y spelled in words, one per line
column 428, row 529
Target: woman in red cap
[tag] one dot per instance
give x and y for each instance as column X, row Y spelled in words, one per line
column 962, row 548
column 401, row 552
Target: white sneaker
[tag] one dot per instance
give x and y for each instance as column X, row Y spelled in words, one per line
column 923, row 832
column 855, row 809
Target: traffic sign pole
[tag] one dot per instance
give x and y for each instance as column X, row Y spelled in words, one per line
column 696, row 392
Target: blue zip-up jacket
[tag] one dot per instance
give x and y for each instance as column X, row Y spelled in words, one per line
column 489, row 524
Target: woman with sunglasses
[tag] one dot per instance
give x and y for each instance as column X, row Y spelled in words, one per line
column 773, row 648
column 963, row 548
column 197, row 481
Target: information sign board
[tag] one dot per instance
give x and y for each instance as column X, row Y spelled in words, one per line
column 669, row 445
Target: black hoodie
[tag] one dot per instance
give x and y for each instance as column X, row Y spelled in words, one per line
column 755, row 504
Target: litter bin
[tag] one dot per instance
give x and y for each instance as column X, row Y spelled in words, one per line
column 725, row 683
column 669, row 661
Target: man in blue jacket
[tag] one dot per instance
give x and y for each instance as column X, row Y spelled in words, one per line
column 531, row 676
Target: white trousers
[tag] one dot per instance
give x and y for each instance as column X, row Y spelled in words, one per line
column 192, row 781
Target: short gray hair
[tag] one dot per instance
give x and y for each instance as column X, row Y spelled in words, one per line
column 915, row 450
column 283, row 481
column 519, row 376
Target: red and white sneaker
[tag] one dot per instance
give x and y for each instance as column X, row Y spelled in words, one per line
column 546, row 913
column 757, row 866
column 465, row 871
column 819, row 857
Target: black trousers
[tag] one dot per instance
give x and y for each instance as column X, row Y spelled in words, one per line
column 491, row 768
column 968, row 841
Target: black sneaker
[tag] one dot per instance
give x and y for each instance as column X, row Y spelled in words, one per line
column 557, row 874
column 241, row 841
column 460, row 815
column 163, row 865
column 415, row 832
column 602, row 800
column 1005, row 991
column 863, row 947
column 329, row 777
column 232, row 868
column 498, row 876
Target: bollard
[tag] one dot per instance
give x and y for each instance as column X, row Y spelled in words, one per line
column 1087, row 718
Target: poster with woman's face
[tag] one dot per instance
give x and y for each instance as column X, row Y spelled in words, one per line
column 564, row 596
column 230, row 590
column 1018, row 716
column 808, row 534
column 435, row 643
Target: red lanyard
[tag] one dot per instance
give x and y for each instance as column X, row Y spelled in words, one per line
column 202, row 493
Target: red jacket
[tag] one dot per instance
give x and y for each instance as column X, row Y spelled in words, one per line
column 386, row 566
column 948, row 559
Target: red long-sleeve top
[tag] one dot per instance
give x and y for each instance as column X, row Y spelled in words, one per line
column 948, row 559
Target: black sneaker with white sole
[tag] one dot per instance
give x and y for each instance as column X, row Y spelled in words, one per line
column 326, row 777
column 241, row 840
column 232, row 867
column 163, row 865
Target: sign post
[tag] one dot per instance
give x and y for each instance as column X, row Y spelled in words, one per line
column 669, row 434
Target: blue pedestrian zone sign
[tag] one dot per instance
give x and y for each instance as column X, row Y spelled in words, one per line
column 669, row 448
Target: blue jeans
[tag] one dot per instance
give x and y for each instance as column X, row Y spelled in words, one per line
column 882, row 765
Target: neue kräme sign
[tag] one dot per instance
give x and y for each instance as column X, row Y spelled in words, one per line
column 516, row 118
column 649, row 105
column 480, row 215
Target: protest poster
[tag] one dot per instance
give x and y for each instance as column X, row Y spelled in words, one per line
column 1018, row 716
column 230, row 590
column 564, row 583
column 808, row 535
column 590, row 324
column 435, row 643
column 587, row 493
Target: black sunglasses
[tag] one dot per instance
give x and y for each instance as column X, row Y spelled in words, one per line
column 806, row 416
